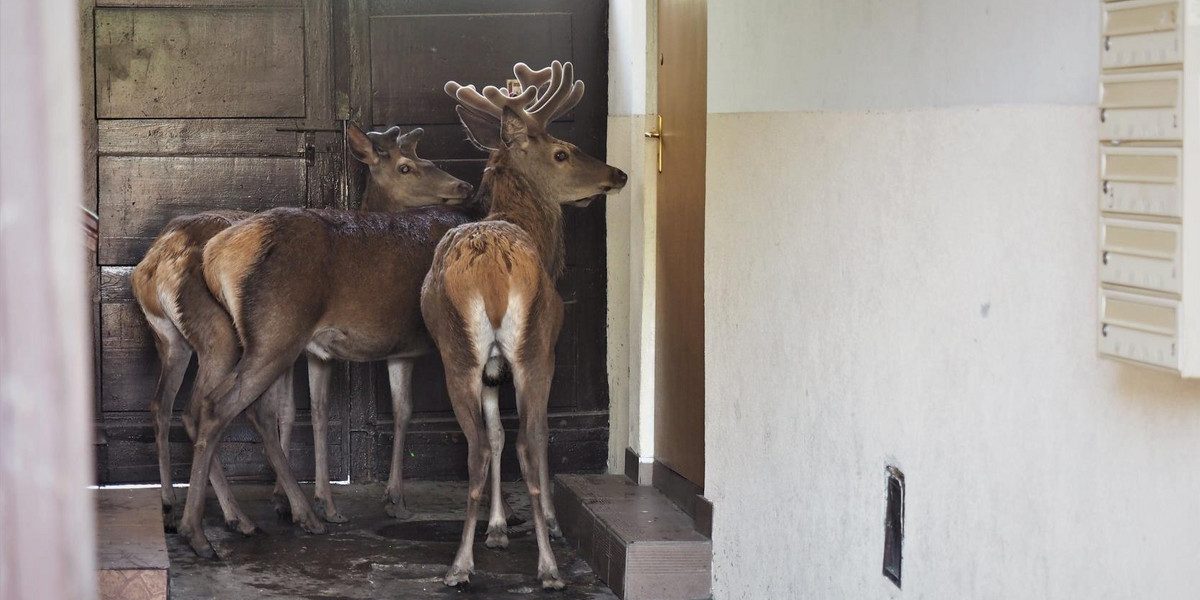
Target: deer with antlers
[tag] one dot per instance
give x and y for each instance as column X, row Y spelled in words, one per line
column 185, row 318
column 490, row 301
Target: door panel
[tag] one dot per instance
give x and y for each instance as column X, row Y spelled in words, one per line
column 139, row 195
column 199, row 107
column 679, row 333
column 200, row 62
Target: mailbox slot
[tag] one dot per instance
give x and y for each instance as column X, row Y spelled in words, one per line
column 1141, row 106
column 1139, row 328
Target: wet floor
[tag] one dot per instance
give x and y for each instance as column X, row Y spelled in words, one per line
column 372, row 555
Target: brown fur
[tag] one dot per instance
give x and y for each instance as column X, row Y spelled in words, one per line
column 506, row 265
column 399, row 179
column 168, row 285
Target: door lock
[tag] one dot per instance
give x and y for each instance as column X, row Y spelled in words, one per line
column 657, row 135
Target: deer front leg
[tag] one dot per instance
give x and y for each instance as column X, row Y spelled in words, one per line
column 400, row 376
column 319, row 373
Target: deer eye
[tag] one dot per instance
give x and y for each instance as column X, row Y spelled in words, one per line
column 405, row 169
column 560, row 156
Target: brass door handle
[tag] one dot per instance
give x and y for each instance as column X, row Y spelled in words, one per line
column 657, row 135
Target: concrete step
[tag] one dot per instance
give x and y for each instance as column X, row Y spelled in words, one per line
column 636, row 540
column 132, row 550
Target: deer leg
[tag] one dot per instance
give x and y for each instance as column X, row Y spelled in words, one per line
column 236, row 391
column 235, row 519
column 465, row 390
column 281, row 397
column 497, row 532
column 400, row 372
column 264, row 420
column 319, row 372
column 533, row 393
column 175, row 354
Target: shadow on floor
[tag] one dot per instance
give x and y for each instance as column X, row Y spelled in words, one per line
column 372, row 555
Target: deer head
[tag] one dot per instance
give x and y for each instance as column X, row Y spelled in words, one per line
column 513, row 128
column 399, row 178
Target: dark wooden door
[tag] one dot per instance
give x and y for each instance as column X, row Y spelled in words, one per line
column 400, row 54
column 197, row 106
column 224, row 104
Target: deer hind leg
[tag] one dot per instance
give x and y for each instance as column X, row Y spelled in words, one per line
column 497, row 532
column 280, row 396
column 235, row 519
column 400, row 372
column 465, row 389
column 175, row 354
column 232, row 395
column 319, row 373
column 533, row 392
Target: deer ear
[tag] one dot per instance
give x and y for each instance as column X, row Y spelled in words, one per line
column 408, row 142
column 513, row 129
column 481, row 129
column 361, row 146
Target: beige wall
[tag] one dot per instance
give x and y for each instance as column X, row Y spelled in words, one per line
column 901, row 270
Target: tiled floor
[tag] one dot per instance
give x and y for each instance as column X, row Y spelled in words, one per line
column 372, row 555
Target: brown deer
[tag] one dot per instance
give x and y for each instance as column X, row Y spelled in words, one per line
column 335, row 284
column 490, row 301
column 185, row 319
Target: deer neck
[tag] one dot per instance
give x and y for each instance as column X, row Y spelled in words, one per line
column 512, row 197
column 377, row 199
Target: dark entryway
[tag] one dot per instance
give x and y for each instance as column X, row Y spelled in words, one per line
column 216, row 104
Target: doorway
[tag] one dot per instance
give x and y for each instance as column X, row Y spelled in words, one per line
column 213, row 104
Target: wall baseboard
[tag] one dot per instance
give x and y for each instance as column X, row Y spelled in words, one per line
column 637, row 471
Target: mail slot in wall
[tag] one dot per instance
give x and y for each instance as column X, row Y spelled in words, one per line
column 1139, row 328
column 1142, row 33
column 1140, row 254
column 1142, row 181
column 1141, row 106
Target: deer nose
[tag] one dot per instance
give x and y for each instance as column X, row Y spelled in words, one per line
column 620, row 177
column 464, row 188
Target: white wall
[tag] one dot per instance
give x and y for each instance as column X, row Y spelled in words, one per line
column 907, row 276
column 631, row 234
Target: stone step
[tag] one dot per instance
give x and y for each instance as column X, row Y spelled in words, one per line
column 638, row 542
column 131, row 547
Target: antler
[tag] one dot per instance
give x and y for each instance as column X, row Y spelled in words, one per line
column 546, row 94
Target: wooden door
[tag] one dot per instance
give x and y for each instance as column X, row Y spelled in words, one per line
column 211, row 104
column 196, row 106
column 400, row 54
column 679, row 333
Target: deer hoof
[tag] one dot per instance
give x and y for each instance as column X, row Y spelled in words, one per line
column 311, row 524
column 242, row 525
column 328, row 511
column 497, row 538
column 456, row 577
column 170, row 519
column 551, row 580
column 198, row 543
column 555, row 530
column 283, row 508
column 397, row 510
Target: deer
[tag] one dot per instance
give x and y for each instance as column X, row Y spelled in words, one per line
column 489, row 299
column 185, row 318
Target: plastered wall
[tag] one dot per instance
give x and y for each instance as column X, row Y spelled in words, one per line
column 901, row 270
